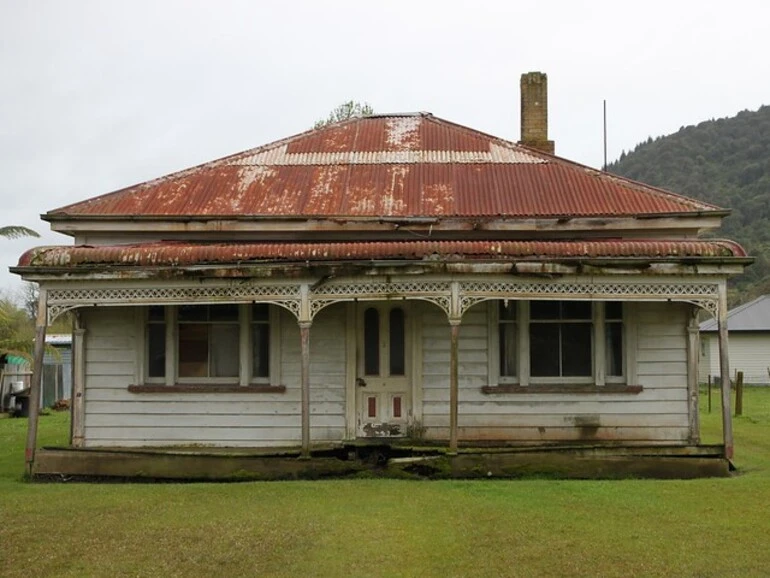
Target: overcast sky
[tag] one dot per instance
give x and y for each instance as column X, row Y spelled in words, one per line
column 98, row 95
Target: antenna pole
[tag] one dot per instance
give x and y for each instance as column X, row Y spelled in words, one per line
column 604, row 167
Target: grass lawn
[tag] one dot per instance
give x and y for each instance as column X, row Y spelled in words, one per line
column 712, row 527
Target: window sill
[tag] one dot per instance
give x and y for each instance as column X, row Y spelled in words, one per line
column 562, row 388
column 205, row 388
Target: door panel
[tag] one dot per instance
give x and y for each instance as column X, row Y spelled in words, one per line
column 383, row 394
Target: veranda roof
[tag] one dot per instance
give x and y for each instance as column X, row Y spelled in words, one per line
column 179, row 254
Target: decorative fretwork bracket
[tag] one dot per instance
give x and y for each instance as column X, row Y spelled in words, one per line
column 284, row 295
column 704, row 295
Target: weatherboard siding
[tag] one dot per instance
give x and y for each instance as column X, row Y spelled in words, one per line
column 658, row 414
column 749, row 352
column 116, row 417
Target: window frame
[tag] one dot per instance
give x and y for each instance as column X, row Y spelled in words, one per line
column 598, row 377
column 383, row 342
column 245, row 375
column 573, row 379
column 228, row 380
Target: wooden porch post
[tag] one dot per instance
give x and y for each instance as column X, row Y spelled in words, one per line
column 454, row 326
column 78, row 381
column 37, row 376
column 304, row 330
column 724, row 367
column 692, row 376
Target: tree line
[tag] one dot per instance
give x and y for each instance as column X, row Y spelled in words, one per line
column 725, row 162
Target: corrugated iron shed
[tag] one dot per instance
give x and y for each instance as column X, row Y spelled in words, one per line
column 387, row 166
column 180, row 254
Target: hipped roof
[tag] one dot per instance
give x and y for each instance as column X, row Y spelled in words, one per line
column 412, row 165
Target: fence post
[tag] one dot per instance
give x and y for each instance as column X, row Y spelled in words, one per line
column 709, row 393
column 739, row 393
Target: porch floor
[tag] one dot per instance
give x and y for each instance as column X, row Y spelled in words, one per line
column 380, row 458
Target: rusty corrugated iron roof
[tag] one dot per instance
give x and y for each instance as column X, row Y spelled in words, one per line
column 387, row 166
column 181, row 254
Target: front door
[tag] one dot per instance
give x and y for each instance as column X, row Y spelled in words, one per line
column 383, row 391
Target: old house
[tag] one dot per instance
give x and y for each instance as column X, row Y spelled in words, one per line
column 383, row 277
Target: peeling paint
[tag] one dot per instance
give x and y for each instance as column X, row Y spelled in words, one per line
column 382, row 430
column 251, row 174
column 392, row 201
column 322, row 197
column 402, row 132
column 438, row 199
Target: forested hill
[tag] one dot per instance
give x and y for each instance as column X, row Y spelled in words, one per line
column 725, row 162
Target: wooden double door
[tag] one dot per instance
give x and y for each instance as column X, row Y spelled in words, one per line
column 383, row 385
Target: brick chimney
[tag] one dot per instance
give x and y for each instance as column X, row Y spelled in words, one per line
column 534, row 112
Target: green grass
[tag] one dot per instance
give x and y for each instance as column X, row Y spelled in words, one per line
column 710, row 527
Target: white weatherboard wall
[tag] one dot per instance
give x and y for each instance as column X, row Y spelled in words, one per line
column 116, row 417
column 705, row 368
column 749, row 352
column 658, row 414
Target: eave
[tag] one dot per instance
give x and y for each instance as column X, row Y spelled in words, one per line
column 298, row 227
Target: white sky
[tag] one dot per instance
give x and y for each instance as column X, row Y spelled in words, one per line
column 97, row 95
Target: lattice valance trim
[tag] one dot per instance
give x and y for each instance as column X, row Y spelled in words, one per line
column 454, row 298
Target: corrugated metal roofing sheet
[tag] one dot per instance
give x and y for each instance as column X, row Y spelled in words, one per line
column 180, row 254
column 387, row 166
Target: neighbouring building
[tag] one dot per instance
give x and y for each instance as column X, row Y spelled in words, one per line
column 749, row 343
column 57, row 373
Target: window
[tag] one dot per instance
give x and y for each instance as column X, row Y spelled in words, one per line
column 613, row 335
column 208, row 337
column 156, row 342
column 228, row 343
column 397, row 331
column 569, row 342
column 560, row 336
column 384, row 341
column 260, row 340
column 371, row 342
column 507, row 337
